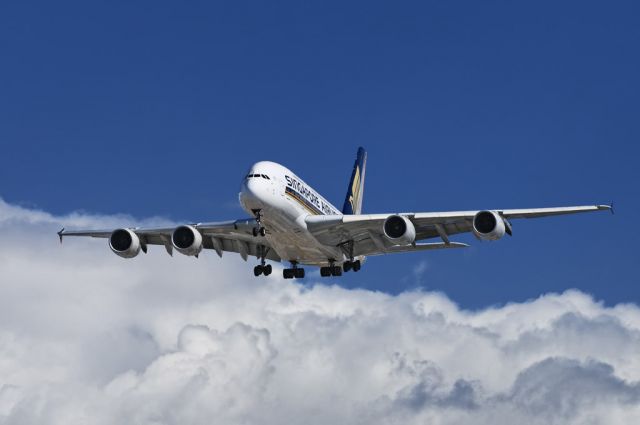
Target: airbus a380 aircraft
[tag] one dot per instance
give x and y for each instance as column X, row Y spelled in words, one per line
column 292, row 222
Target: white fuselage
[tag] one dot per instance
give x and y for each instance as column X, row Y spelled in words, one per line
column 284, row 201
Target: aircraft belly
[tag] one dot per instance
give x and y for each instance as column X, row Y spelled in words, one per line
column 293, row 243
column 304, row 252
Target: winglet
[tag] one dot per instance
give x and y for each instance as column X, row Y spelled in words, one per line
column 60, row 234
column 606, row 207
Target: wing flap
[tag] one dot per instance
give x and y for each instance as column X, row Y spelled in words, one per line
column 417, row 247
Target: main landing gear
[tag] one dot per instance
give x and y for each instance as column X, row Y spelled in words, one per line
column 259, row 229
column 330, row 271
column 262, row 268
column 296, row 272
column 347, row 248
column 352, row 265
column 333, row 270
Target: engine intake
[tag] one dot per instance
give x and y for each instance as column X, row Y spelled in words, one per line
column 399, row 230
column 488, row 226
column 187, row 240
column 125, row 243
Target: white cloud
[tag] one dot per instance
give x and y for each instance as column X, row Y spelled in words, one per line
column 89, row 338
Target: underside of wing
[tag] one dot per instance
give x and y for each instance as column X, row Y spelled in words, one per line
column 371, row 234
column 365, row 234
column 231, row 236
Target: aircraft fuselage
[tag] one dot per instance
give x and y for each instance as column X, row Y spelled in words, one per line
column 284, row 200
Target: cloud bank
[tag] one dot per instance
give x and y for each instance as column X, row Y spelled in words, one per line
column 89, row 338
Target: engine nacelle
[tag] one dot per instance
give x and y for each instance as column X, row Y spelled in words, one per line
column 399, row 230
column 488, row 226
column 125, row 243
column 187, row 240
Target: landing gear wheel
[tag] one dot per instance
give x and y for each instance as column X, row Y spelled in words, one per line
column 255, row 232
column 356, row 266
column 266, row 270
column 325, row 271
column 258, row 270
column 263, row 232
column 336, row 271
column 293, row 272
column 347, row 265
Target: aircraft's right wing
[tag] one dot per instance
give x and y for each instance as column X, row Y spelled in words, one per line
column 367, row 235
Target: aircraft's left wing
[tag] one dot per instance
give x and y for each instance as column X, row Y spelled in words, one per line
column 230, row 236
column 366, row 233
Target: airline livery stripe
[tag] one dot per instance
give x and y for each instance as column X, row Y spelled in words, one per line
column 355, row 191
column 302, row 201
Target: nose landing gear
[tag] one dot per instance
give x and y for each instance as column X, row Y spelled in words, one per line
column 259, row 229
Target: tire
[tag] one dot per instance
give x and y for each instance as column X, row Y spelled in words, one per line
column 255, row 232
column 263, row 232
column 287, row 273
column 325, row 271
column 267, row 270
column 257, row 270
column 347, row 265
column 336, row 271
column 299, row 273
column 356, row 266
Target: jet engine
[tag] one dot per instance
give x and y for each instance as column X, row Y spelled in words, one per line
column 399, row 230
column 187, row 240
column 488, row 226
column 125, row 243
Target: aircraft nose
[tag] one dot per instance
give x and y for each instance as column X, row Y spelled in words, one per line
column 250, row 187
column 253, row 192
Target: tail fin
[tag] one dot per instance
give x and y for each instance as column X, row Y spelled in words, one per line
column 353, row 201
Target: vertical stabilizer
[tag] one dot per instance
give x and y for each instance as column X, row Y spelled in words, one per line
column 353, row 201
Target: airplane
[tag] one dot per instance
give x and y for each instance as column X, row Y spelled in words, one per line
column 290, row 221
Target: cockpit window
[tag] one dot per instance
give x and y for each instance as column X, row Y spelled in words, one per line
column 264, row 176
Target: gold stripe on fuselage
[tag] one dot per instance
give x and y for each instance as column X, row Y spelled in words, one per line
column 296, row 197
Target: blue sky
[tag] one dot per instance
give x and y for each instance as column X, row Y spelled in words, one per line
column 158, row 109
